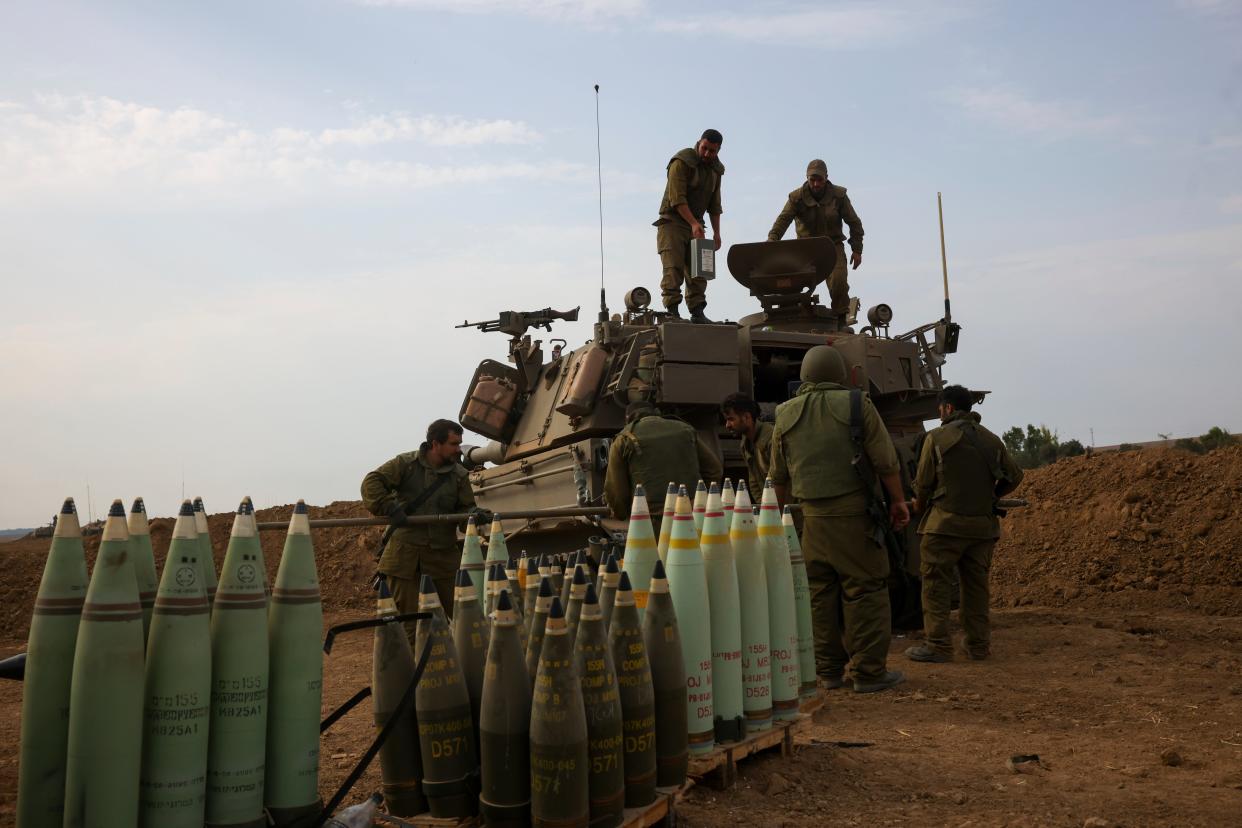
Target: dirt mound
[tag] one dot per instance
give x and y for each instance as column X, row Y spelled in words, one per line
column 345, row 558
column 1150, row 529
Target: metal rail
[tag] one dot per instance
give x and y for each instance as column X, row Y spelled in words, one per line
column 419, row 520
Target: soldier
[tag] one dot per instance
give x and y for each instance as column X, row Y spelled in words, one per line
column 818, row 208
column 428, row 481
column 812, row 457
column 693, row 188
column 963, row 469
column 741, row 415
column 654, row 450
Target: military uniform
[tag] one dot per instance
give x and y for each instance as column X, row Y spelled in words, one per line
column 823, row 216
column 757, row 456
column 655, row 451
column 695, row 183
column 846, row 567
column 427, row 549
column 963, row 468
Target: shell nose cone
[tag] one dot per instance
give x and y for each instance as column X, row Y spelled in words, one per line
column 658, row 571
column 590, row 597
column 428, row 586
column 68, row 507
column 555, row 611
column 503, row 604
column 624, row 583
column 301, row 508
column 139, row 507
column 545, row 588
column 198, row 505
column 187, row 509
column 462, row 580
column 117, row 509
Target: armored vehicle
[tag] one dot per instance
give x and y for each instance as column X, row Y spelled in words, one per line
column 551, row 417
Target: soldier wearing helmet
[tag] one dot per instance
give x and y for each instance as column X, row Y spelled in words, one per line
column 655, row 450
column 818, row 208
column 812, row 460
column 963, row 469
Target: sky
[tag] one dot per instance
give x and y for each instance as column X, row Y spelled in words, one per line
column 235, row 236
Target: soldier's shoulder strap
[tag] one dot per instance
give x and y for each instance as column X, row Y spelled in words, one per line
column 856, row 419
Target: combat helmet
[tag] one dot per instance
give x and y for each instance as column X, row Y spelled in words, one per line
column 823, row 363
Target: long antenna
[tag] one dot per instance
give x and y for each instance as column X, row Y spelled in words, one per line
column 944, row 259
column 599, row 171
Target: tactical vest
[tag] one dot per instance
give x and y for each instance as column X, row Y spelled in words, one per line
column 815, row 440
column 819, row 218
column 704, row 181
column 972, row 460
column 661, row 451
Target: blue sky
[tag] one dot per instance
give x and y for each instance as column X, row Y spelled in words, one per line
column 237, row 235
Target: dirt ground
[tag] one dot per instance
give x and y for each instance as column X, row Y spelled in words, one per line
column 1117, row 660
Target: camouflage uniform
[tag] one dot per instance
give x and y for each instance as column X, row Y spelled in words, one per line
column 823, row 216
column 962, row 469
column 655, row 451
column 846, row 567
column 695, row 183
column 757, row 456
column 428, row 549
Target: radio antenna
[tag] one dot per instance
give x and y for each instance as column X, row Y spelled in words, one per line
column 944, row 260
column 599, row 171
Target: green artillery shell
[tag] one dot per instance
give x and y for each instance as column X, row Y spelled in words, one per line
column 207, row 555
column 497, row 549
column 559, row 770
column 295, row 686
column 534, row 644
column 445, row 724
column 610, row 576
column 640, row 550
column 666, row 520
column 629, row 657
column 726, row 625
column 472, row 558
column 470, row 641
column 144, row 561
column 577, row 594
column 49, row 673
column 392, row 670
column 571, row 560
column 802, row 605
column 514, row 588
column 557, row 574
column 668, row 680
column 104, row 756
column 687, row 585
column 496, row 583
column 504, row 726
column 605, row 738
column 752, row 584
column 177, row 693
column 531, row 594
column 239, row 682
column 782, row 612
column 700, row 507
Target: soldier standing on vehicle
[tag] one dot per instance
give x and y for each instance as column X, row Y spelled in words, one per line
column 818, row 208
column 963, row 470
column 428, row 481
column 741, row 415
column 813, row 450
column 693, row 188
column 655, row 450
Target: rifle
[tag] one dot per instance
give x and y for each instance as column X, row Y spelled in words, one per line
column 877, row 498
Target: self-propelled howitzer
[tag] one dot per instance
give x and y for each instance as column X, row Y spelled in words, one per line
column 550, row 418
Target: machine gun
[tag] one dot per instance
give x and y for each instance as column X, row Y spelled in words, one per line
column 517, row 323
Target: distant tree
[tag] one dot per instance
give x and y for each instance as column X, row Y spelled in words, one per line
column 1070, row 448
column 1216, row 438
column 1014, row 439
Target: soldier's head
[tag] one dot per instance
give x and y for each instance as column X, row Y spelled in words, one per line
column 954, row 398
column 823, row 363
column 817, row 176
column 709, row 144
column 443, row 444
column 741, row 413
column 639, row 409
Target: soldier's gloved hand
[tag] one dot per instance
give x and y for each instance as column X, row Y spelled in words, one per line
column 482, row 517
column 397, row 515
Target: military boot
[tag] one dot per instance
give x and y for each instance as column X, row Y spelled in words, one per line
column 673, row 311
column 922, row 652
column 891, row 678
column 698, row 317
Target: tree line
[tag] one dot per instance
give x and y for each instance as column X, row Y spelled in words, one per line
column 1040, row 445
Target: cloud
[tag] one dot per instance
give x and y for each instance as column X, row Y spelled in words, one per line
column 1009, row 109
column 843, row 26
column 56, row 148
column 579, row 11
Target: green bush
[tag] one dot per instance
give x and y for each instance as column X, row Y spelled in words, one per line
column 1038, row 446
column 1190, row 444
column 1217, row 437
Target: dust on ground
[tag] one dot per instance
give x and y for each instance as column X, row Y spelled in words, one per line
column 1117, row 661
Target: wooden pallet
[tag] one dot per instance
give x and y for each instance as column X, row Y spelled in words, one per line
column 810, row 705
column 720, row 765
column 662, row 812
